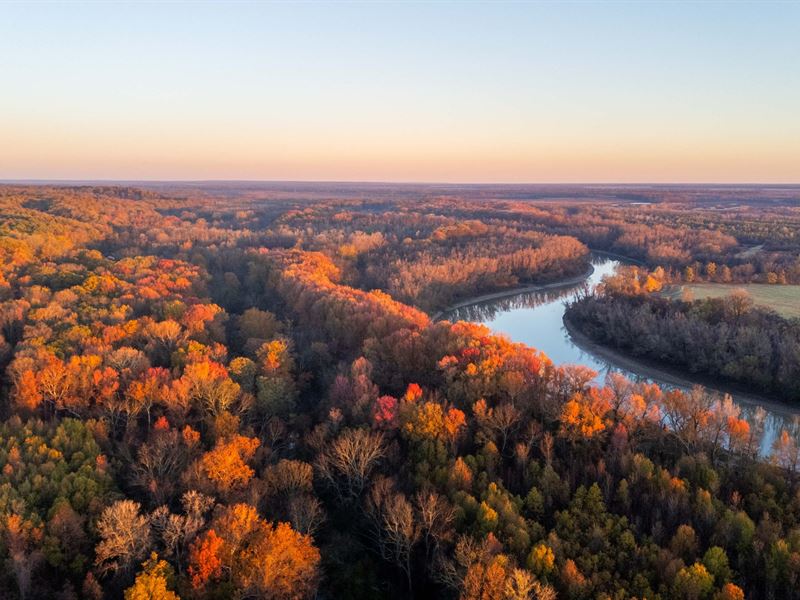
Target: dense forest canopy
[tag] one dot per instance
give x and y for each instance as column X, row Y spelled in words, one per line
column 727, row 338
column 236, row 391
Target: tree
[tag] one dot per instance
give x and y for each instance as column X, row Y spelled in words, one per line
column 684, row 543
column 424, row 421
column 226, row 465
column 163, row 339
column 21, row 539
column 521, row 585
column 289, row 487
column 125, row 537
column 498, row 422
column 347, row 463
column 541, row 560
column 729, row 591
column 209, row 386
column 395, row 526
column 384, row 412
column 715, row 560
column 287, row 478
column 711, row 270
column 651, row 284
column 738, row 303
column 786, row 452
column 175, row 532
column 583, row 416
column 205, row 563
column 436, row 517
column 486, row 580
column 262, row 560
column 160, row 462
column 153, row 582
column 55, row 384
column 27, row 395
column 693, row 583
column 572, row 579
column 255, row 327
column 276, row 392
column 243, row 371
column 306, row 513
column 281, row 563
column 151, row 388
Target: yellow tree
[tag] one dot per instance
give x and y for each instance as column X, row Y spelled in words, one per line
column 583, row 416
column 153, row 582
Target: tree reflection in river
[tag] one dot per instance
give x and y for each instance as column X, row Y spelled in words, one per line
column 488, row 310
column 536, row 318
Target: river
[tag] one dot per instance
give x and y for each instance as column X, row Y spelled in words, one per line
column 535, row 318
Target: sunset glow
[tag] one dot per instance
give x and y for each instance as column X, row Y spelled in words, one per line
column 583, row 92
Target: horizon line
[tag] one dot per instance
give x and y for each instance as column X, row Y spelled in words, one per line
column 57, row 181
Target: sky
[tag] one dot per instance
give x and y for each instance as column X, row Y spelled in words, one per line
column 539, row 92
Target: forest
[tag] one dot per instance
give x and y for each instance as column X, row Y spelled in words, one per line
column 236, row 392
column 727, row 338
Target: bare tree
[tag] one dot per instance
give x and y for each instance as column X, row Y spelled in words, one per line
column 306, row 514
column 24, row 557
column 737, row 304
column 499, row 423
column 163, row 338
column 436, row 517
column 686, row 414
column 288, row 477
column 396, row 530
column 347, row 463
column 159, row 465
column 125, row 537
column 176, row 531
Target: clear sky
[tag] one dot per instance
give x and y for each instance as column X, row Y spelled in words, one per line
column 445, row 91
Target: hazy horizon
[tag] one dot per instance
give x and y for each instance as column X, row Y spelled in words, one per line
column 367, row 182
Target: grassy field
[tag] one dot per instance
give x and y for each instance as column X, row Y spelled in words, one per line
column 784, row 299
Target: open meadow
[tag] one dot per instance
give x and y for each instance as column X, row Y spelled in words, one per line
column 783, row 299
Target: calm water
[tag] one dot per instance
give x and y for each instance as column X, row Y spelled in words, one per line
column 536, row 319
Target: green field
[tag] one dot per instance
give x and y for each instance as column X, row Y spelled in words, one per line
column 784, row 299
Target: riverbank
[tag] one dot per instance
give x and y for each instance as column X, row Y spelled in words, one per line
column 517, row 290
column 672, row 376
column 620, row 257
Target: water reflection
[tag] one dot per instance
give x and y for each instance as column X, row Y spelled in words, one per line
column 489, row 310
column 536, row 319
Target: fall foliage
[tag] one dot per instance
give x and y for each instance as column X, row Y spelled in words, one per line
column 241, row 394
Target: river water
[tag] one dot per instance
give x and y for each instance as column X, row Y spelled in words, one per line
column 536, row 319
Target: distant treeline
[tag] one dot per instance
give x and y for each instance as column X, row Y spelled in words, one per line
column 727, row 338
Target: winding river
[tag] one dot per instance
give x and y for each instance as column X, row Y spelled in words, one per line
column 536, row 318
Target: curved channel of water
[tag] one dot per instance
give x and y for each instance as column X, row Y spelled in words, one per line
column 536, row 319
